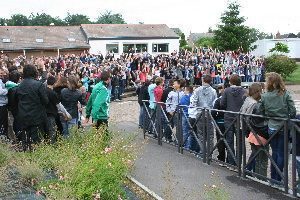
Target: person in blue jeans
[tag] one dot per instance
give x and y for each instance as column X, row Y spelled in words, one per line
column 277, row 102
column 185, row 101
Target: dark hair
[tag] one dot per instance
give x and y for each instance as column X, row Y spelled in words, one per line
column 51, row 80
column 190, row 89
column 235, row 80
column 105, row 75
column 255, row 91
column 72, row 82
column 30, row 71
column 207, row 79
column 181, row 82
column 61, row 82
column 14, row 76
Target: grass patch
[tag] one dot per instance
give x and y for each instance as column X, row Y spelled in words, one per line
column 89, row 164
column 295, row 77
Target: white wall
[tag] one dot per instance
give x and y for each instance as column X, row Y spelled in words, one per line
column 100, row 45
column 264, row 46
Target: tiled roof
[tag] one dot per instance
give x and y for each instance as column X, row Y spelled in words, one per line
column 42, row 37
column 128, row 31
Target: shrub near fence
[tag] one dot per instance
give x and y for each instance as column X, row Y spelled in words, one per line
column 156, row 123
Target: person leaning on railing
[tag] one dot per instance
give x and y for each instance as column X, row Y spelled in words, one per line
column 277, row 102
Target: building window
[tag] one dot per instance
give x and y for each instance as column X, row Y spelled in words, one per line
column 112, row 48
column 161, row 48
column 6, row 40
column 39, row 40
column 134, row 48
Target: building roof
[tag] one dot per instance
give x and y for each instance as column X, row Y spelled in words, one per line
column 128, row 31
column 193, row 37
column 177, row 31
column 42, row 37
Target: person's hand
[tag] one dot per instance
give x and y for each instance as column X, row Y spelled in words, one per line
column 87, row 120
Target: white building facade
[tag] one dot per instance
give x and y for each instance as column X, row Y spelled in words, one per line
column 131, row 38
column 264, row 46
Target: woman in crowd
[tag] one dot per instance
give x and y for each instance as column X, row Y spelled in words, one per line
column 277, row 102
column 69, row 98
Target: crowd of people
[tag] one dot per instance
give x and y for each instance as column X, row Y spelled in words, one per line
column 271, row 100
column 42, row 96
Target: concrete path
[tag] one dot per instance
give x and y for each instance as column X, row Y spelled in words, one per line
column 183, row 176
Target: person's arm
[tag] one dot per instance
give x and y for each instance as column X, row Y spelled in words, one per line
column 3, row 91
column 88, row 108
column 43, row 94
column 224, row 100
column 291, row 106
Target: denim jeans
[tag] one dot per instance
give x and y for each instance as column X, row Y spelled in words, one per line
column 298, row 169
column 185, row 132
column 68, row 125
column 277, row 145
column 141, row 116
column 230, row 136
column 194, row 146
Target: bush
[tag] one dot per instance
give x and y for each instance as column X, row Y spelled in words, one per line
column 280, row 64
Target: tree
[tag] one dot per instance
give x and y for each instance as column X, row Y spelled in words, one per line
column 3, row 21
column 77, row 19
column 280, row 48
column 232, row 34
column 18, row 20
column 298, row 35
column 210, row 30
column 205, row 42
column 280, row 64
column 292, row 35
column 109, row 18
column 182, row 41
column 44, row 19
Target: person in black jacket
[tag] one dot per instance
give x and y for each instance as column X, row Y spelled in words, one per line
column 143, row 94
column 51, row 108
column 69, row 98
column 167, row 127
column 32, row 100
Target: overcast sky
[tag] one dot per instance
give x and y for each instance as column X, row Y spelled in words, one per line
column 189, row 15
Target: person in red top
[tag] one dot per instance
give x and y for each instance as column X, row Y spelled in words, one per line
column 158, row 90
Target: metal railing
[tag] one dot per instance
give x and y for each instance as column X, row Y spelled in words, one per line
column 204, row 127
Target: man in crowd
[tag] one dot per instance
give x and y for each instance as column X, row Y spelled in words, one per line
column 3, row 102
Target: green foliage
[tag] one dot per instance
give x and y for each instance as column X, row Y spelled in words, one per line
column 86, row 164
column 294, row 78
column 109, row 18
column 44, row 19
column 77, row 19
column 18, row 20
column 205, row 42
column 182, row 41
column 216, row 192
column 280, row 64
column 280, row 48
column 232, row 34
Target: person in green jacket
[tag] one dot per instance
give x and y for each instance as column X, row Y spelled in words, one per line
column 277, row 102
column 98, row 103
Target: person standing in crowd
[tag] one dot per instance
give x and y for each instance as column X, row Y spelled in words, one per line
column 14, row 130
column 203, row 97
column 158, row 90
column 98, row 104
column 32, row 100
column 69, row 98
column 51, row 109
column 251, row 106
column 167, row 129
column 143, row 95
column 232, row 100
column 152, row 103
column 185, row 101
column 3, row 102
column 277, row 102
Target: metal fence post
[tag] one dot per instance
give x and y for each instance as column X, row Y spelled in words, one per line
column 144, row 119
column 238, row 137
column 203, row 121
column 179, row 133
column 243, row 147
column 159, row 124
column 286, row 154
column 294, row 179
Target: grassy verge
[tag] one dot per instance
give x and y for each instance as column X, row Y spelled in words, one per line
column 295, row 77
column 88, row 165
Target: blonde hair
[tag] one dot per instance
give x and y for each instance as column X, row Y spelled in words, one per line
column 275, row 82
